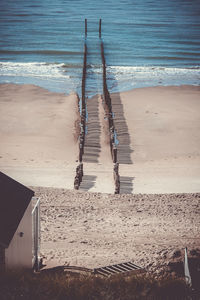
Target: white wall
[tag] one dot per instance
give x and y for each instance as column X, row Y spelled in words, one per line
column 19, row 252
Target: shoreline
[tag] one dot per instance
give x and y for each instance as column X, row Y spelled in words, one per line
column 121, row 78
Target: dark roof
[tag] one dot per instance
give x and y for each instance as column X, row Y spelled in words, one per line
column 14, row 200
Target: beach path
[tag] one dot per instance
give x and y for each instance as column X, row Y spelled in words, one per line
column 97, row 162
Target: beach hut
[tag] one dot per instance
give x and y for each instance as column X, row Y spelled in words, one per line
column 19, row 226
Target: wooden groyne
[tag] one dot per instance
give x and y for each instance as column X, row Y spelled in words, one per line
column 82, row 109
column 90, row 144
column 107, row 103
column 109, row 116
column 79, row 176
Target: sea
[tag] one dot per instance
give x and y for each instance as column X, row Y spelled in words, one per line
column 147, row 43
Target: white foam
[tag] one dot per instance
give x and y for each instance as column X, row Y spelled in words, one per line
column 60, row 77
column 152, row 70
column 122, row 78
column 33, row 69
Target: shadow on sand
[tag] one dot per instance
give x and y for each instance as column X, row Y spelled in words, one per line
column 92, row 146
column 126, row 184
column 123, row 137
column 88, row 182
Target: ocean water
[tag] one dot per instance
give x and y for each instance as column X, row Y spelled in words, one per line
column 147, row 43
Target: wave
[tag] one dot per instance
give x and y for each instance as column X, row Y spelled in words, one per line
column 33, row 69
column 56, row 77
column 43, row 52
column 60, row 69
column 123, row 78
column 152, row 70
column 61, row 76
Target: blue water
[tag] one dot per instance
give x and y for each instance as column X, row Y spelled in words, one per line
column 147, row 43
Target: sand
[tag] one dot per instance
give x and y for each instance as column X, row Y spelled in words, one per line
column 38, row 134
column 94, row 229
column 158, row 132
column 162, row 143
column 157, row 128
column 97, row 162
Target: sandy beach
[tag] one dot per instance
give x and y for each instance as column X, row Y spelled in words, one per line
column 94, row 229
column 38, row 135
column 163, row 138
column 157, row 128
column 159, row 155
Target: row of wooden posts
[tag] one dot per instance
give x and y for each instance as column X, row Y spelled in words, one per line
column 86, row 28
column 109, row 115
column 82, row 109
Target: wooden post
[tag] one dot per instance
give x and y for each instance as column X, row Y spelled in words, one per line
column 114, row 154
column 100, row 28
column 85, row 28
column 188, row 278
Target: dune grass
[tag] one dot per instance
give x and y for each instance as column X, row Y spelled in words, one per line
column 60, row 286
